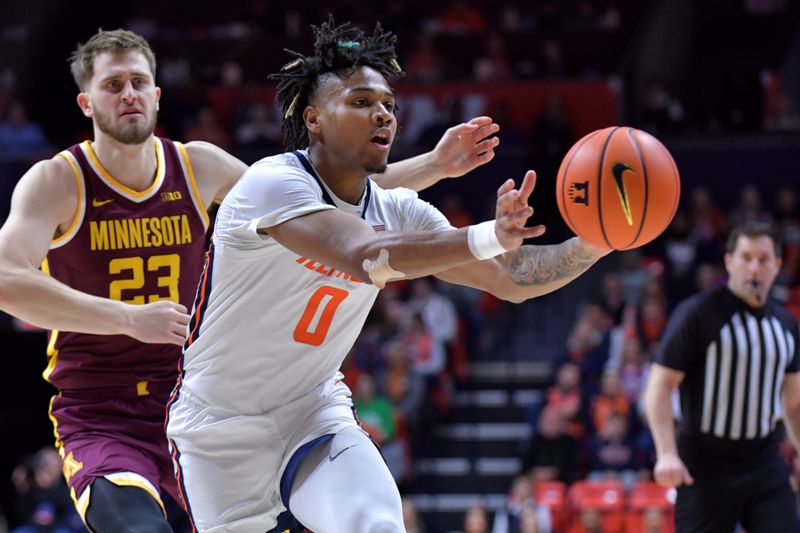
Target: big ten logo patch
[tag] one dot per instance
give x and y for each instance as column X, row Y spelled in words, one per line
column 578, row 192
column 171, row 196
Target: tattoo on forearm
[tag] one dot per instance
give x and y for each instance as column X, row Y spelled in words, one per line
column 540, row 265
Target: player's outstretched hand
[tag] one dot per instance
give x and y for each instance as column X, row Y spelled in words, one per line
column 161, row 322
column 513, row 213
column 671, row 472
column 467, row 146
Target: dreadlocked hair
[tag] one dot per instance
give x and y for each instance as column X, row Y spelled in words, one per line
column 336, row 48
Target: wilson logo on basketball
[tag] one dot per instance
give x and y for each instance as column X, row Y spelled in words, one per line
column 171, row 196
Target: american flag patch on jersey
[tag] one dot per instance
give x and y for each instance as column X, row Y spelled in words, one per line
column 379, row 227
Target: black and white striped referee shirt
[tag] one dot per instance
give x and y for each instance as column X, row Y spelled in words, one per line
column 734, row 358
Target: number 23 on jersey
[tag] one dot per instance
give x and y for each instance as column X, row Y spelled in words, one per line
column 166, row 268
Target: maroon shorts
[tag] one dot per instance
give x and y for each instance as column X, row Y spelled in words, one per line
column 106, row 432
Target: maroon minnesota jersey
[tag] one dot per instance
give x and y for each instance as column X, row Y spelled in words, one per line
column 132, row 246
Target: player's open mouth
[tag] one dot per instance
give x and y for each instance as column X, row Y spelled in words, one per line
column 382, row 140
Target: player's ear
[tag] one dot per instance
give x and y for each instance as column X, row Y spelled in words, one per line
column 312, row 119
column 85, row 104
column 158, row 97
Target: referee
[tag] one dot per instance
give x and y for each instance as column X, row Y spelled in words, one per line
column 734, row 354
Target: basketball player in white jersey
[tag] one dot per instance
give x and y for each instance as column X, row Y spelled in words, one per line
column 260, row 421
column 116, row 363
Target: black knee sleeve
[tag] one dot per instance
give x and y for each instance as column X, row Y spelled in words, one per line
column 116, row 509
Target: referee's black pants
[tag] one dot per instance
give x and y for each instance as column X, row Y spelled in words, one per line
column 732, row 484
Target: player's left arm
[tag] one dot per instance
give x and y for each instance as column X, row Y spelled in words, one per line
column 790, row 397
column 215, row 170
column 461, row 149
column 529, row 271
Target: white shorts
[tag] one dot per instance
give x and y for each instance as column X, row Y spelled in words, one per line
column 229, row 466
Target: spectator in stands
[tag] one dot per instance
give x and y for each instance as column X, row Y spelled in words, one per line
column 377, row 418
column 206, row 127
column 590, row 520
column 708, row 225
column 553, row 452
column 633, row 368
column 522, row 508
column 782, row 116
column 509, row 20
column 292, row 24
column 21, row 138
column 424, row 64
column 231, row 74
column 663, row 113
column 680, row 254
column 611, row 401
column 589, row 344
column 652, row 318
column 787, row 219
column 707, row 276
column 428, row 356
column 612, row 296
column 433, row 132
column 565, row 397
column 260, row 131
column 632, row 276
column 42, row 502
column 476, row 519
column 750, row 207
column 438, row 313
column 460, row 17
column 530, row 520
column 553, row 64
column 611, row 451
column 653, row 520
column 411, row 519
column 494, row 65
column 402, row 387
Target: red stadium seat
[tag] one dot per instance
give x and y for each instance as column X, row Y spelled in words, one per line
column 553, row 495
column 648, row 497
column 606, row 497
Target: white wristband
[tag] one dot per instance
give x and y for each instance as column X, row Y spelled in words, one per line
column 483, row 241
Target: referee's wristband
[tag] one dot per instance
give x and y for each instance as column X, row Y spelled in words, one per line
column 483, row 241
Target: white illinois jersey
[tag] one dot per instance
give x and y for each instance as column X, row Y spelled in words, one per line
column 268, row 325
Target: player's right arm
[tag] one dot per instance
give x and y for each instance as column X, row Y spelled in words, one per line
column 349, row 244
column 44, row 200
column 669, row 470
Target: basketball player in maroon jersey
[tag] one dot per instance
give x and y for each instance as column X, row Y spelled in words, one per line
column 119, row 221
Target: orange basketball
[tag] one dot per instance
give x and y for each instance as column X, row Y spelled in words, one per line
column 618, row 188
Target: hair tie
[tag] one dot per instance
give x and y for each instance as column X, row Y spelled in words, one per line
column 292, row 64
column 290, row 110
